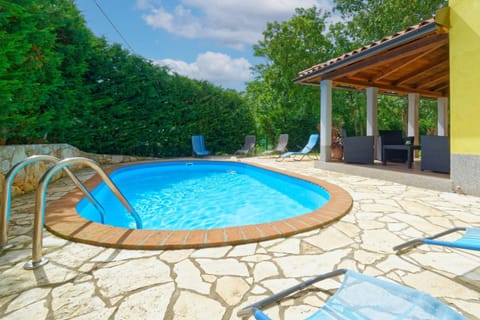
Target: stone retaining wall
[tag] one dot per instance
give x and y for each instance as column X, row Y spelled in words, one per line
column 27, row 179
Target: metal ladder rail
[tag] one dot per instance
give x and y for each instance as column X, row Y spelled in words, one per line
column 7, row 195
column 40, row 200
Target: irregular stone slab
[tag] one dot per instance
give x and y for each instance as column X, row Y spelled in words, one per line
column 130, row 276
column 147, row 304
column 15, row 256
column 441, row 221
column 257, row 258
column 277, row 285
column 174, row 256
column 310, row 265
column 349, row 229
column 396, row 226
column 134, row 254
column 439, row 286
column 27, row 297
column 379, row 240
column 472, row 307
column 419, row 223
column 104, row 313
column 329, row 239
column 395, row 263
column 66, row 300
column 75, row 255
column 243, row 250
column 189, row 277
column 36, row 310
column 269, row 243
column 370, row 224
column 264, row 270
column 51, row 241
column 381, row 208
column 299, row 312
column 16, row 279
column 224, row 267
column 290, row 245
column 421, row 209
column 192, row 306
column 447, row 261
column 218, row 252
column 231, row 289
column 258, row 290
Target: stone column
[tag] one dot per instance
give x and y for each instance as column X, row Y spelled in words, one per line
column 325, row 120
column 413, row 105
column 372, row 111
column 442, row 122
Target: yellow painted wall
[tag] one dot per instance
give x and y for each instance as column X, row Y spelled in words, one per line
column 464, row 42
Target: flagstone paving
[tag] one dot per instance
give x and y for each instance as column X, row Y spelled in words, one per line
column 88, row 282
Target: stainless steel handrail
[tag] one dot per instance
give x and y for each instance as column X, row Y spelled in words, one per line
column 7, row 194
column 40, row 201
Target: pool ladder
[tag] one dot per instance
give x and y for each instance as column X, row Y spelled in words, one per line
column 40, row 200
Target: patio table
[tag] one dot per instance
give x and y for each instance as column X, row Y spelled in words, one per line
column 407, row 148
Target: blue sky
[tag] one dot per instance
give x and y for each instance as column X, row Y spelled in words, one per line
column 202, row 39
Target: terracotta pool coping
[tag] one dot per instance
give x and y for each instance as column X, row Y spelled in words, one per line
column 62, row 219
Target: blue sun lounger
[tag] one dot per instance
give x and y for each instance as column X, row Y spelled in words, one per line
column 470, row 240
column 198, row 146
column 362, row 297
column 312, row 142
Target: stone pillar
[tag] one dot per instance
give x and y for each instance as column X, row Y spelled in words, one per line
column 372, row 111
column 325, row 120
column 413, row 105
column 442, row 122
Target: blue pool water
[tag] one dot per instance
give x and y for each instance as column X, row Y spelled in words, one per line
column 203, row 195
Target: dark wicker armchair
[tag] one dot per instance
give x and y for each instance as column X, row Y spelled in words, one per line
column 435, row 153
column 358, row 149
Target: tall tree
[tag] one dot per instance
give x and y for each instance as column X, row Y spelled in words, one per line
column 289, row 47
column 368, row 21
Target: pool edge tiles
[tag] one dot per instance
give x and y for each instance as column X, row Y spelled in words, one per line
column 63, row 220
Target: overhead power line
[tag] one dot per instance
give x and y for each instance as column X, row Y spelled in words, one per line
column 113, row 25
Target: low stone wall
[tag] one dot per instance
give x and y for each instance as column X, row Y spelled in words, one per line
column 27, row 179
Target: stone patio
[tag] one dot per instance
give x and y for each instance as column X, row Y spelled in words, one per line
column 87, row 282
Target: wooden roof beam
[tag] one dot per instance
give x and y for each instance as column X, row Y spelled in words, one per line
column 442, row 87
column 415, row 47
column 420, row 73
column 437, row 80
column 398, row 89
column 402, row 64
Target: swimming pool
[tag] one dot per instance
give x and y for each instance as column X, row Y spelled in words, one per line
column 187, row 195
column 63, row 219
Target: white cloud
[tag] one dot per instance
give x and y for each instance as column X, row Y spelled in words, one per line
column 217, row 68
column 234, row 23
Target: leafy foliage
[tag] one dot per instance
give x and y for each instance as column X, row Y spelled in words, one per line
column 281, row 105
column 59, row 83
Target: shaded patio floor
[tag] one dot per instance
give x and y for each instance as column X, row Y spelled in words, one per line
column 395, row 172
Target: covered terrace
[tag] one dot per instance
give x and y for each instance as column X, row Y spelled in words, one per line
column 413, row 62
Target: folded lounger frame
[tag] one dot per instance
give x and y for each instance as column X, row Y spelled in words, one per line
column 470, row 240
column 364, row 297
